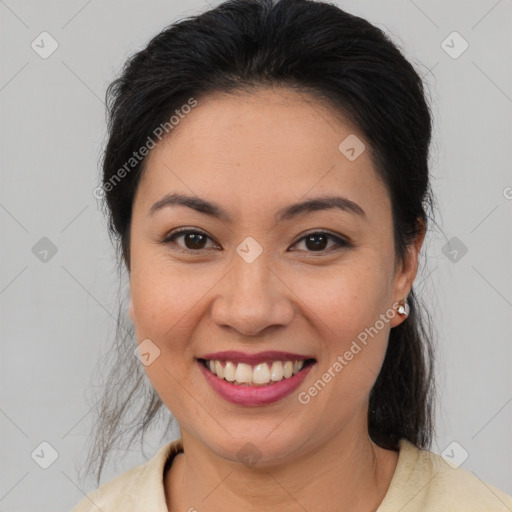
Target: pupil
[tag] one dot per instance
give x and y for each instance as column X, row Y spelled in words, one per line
column 194, row 239
column 316, row 245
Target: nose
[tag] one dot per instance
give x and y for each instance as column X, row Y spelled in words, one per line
column 251, row 298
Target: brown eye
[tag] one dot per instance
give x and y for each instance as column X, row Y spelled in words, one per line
column 318, row 241
column 192, row 240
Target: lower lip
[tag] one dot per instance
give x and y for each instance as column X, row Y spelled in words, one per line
column 254, row 395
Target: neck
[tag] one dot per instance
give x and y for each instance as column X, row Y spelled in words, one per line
column 346, row 473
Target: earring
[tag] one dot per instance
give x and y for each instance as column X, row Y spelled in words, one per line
column 404, row 307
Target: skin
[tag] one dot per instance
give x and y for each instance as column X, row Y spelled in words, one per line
column 254, row 153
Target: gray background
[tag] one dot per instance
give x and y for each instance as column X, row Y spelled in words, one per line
column 57, row 317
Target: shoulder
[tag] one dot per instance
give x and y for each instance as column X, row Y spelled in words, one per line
column 140, row 486
column 424, row 481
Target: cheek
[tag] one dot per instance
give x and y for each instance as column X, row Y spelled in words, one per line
column 348, row 311
column 347, row 301
column 167, row 301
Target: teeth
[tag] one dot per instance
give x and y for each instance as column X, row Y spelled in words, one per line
column 259, row 375
column 243, row 373
column 276, row 372
column 219, row 370
column 288, row 369
column 229, row 371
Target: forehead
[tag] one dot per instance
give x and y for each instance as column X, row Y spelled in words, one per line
column 271, row 145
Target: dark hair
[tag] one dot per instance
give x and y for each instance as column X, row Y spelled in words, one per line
column 339, row 59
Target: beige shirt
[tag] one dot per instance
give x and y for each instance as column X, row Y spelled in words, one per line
column 422, row 482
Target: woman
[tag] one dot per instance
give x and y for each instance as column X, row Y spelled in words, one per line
column 266, row 178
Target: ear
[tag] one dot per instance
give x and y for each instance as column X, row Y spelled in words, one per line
column 406, row 273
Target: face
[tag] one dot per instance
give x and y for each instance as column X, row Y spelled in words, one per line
column 309, row 284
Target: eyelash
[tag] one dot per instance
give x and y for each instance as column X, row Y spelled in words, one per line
column 341, row 243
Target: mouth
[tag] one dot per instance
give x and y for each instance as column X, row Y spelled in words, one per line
column 261, row 383
column 264, row 373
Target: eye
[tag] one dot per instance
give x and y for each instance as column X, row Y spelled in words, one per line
column 194, row 240
column 317, row 241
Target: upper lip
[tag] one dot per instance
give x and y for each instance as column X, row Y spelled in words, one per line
column 243, row 357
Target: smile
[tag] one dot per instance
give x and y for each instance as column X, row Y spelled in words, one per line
column 261, row 374
column 253, row 385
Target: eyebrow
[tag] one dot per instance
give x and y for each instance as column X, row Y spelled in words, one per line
column 286, row 213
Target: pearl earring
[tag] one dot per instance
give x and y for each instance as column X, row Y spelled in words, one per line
column 404, row 308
